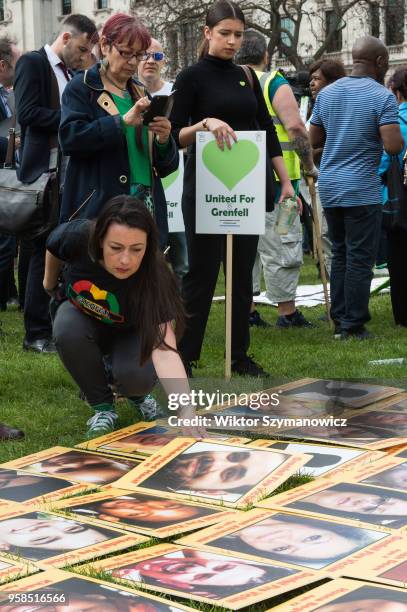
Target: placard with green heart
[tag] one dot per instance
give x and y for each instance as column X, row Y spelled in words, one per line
column 230, row 166
column 170, row 179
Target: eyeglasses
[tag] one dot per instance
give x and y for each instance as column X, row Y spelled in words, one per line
column 128, row 55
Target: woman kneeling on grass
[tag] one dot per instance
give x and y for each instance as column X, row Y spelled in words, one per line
column 118, row 299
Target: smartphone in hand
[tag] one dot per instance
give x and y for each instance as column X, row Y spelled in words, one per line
column 160, row 106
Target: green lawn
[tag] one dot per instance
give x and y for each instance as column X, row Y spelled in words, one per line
column 38, row 395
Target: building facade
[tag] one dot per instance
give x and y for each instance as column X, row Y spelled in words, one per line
column 35, row 22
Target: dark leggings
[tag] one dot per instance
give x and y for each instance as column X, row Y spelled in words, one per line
column 82, row 342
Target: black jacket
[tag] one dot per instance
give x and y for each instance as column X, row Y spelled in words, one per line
column 98, row 168
column 39, row 123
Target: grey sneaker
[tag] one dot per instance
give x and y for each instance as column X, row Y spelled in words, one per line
column 102, row 422
column 148, row 407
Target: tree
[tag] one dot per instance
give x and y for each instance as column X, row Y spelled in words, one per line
column 279, row 20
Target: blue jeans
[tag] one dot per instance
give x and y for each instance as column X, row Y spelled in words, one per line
column 354, row 232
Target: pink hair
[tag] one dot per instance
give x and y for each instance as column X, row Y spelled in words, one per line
column 126, row 28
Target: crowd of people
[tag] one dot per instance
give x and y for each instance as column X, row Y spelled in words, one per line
column 99, row 285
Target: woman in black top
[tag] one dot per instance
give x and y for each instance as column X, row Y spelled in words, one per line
column 118, row 298
column 216, row 95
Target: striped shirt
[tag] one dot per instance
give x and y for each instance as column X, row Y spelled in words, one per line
column 351, row 110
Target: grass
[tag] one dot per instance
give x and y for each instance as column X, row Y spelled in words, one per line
column 38, row 395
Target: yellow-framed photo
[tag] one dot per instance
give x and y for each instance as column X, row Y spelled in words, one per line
column 346, row 596
column 351, row 501
column 345, row 393
column 31, row 489
column 62, row 591
column 232, row 475
column 152, row 515
column 297, row 540
column 324, row 459
column 142, row 439
column 219, row 579
column 75, row 464
column 389, row 472
column 49, row 539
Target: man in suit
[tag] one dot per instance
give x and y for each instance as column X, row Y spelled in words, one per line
column 41, row 77
column 9, row 54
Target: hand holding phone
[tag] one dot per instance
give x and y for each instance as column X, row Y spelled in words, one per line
column 160, row 106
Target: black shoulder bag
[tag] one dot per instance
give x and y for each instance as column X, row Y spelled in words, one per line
column 28, row 210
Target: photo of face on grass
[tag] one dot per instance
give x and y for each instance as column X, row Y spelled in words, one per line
column 216, row 471
column 368, row 599
column 357, row 503
column 39, row 535
column 394, row 422
column 323, row 460
column 299, row 540
column 21, row 486
column 341, row 392
column 352, row 435
column 143, row 511
column 393, row 478
column 83, row 467
column 204, row 574
column 287, row 406
column 148, row 440
column 88, row 596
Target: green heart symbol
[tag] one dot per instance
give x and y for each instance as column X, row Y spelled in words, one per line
column 170, row 179
column 242, row 83
column 231, row 165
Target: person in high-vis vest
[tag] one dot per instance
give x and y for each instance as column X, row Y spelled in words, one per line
column 280, row 256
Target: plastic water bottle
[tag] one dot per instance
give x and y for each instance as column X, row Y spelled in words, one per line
column 287, row 210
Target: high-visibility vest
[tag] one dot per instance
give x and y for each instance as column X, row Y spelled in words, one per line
column 291, row 159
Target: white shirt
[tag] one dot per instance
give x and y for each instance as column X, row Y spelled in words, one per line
column 165, row 90
column 54, row 60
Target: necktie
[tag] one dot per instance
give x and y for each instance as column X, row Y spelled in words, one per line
column 64, row 70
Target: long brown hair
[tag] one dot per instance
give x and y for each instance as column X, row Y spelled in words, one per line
column 223, row 9
column 155, row 296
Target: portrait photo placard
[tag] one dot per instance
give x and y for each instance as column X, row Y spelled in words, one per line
column 324, row 458
column 351, row 501
column 351, row 434
column 148, row 514
column 232, row 475
column 30, row 489
column 214, row 578
column 49, row 539
column 76, row 465
column 297, row 540
column 142, row 439
column 389, row 472
column 62, row 591
column 346, row 393
column 347, row 595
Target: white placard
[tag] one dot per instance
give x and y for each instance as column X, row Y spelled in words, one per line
column 173, row 185
column 231, row 185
